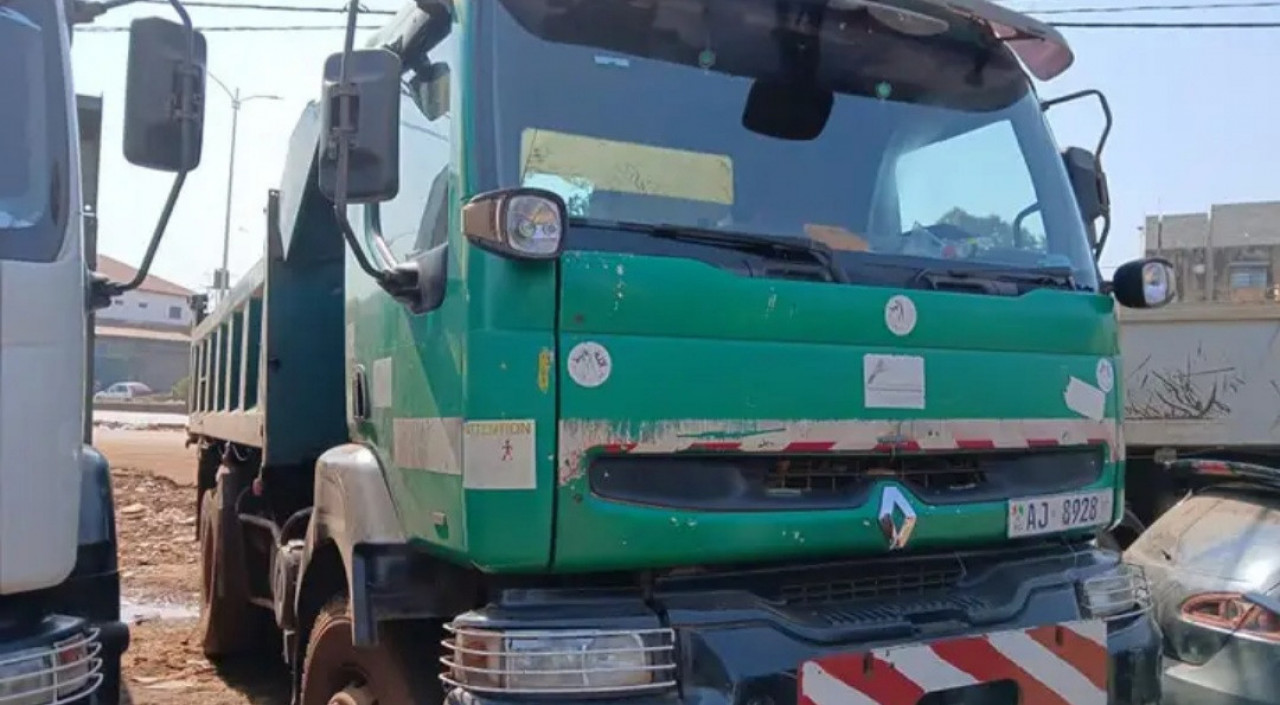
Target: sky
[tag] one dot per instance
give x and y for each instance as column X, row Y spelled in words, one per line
column 1195, row 110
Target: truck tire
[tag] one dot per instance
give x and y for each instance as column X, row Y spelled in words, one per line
column 229, row 624
column 335, row 672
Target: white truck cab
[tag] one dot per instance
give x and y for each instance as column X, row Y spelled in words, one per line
column 60, row 632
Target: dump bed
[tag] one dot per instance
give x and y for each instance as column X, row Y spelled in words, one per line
column 1200, row 375
column 267, row 365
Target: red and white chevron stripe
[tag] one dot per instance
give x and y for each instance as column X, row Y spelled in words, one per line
column 1063, row 664
column 798, row 436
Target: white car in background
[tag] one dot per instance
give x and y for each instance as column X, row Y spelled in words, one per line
column 123, row 391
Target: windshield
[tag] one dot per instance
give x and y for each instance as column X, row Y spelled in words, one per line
column 33, row 129
column 935, row 151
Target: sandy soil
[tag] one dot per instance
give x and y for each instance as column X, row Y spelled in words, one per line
column 153, row 477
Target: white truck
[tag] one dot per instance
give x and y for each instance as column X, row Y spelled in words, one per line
column 60, row 632
column 1202, row 376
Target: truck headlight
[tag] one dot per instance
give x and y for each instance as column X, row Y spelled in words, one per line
column 45, row 675
column 1117, row 593
column 553, row 661
column 26, row 677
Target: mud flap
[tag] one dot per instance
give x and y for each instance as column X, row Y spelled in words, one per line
column 1063, row 664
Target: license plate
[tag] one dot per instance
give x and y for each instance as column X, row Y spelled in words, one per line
column 1031, row 516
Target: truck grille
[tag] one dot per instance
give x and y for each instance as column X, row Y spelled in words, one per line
column 891, row 580
column 746, row 482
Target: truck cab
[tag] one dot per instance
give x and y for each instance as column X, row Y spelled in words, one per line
column 680, row 349
column 61, row 637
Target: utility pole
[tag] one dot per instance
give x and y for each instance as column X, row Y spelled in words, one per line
column 222, row 277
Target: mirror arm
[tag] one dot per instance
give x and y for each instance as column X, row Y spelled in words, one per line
column 1106, row 113
column 348, row 234
column 101, row 289
column 113, row 289
column 340, row 139
column 1102, row 237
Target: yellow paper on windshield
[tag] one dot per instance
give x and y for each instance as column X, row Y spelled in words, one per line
column 627, row 167
column 836, row 237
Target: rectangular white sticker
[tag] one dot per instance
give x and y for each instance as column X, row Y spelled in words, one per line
column 429, row 444
column 1085, row 399
column 380, row 394
column 499, row 455
column 893, row 381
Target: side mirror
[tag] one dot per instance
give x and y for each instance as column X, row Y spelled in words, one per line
column 164, row 96
column 1144, row 283
column 1089, row 182
column 522, row 223
column 431, row 92
column 371, row 173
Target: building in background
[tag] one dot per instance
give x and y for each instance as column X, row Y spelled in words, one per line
column 144, row 336
column 1230, row 254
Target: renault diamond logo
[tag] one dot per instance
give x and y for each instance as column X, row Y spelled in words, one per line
column 897, row 518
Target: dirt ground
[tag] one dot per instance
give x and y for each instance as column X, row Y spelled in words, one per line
column 153, row 477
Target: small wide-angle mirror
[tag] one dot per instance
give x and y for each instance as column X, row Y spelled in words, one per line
column 522, row 223
column 372, row 128
column 1144, row 283
column 164, row 96
column 431, row 91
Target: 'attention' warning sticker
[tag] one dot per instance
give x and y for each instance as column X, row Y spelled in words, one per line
column 499, row 455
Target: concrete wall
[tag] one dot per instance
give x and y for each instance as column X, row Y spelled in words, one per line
column 148, row 308
column 1230, row 254
column 159, row 364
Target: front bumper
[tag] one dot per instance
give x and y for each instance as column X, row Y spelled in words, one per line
column 54, row 659
column 733, row 650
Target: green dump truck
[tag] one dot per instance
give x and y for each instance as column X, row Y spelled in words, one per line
column 705, row 350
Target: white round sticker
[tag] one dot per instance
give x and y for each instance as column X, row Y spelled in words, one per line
column 590, row 364
column 1106, row 375
column 900, row 315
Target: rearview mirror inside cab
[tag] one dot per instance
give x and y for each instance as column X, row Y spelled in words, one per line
column 1144, row 283
column 164, row 96
column 787, row 110
column 372, row 172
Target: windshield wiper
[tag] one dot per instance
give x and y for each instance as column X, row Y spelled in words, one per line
column 769, row 246
column 1047, row 277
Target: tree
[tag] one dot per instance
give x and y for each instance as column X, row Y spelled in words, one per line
column 996, row 229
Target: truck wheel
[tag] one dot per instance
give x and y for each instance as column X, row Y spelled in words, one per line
column 335, row 672
column 228, row 622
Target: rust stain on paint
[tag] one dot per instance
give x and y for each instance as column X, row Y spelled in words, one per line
column 544, row 370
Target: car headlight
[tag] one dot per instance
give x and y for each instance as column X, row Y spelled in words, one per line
column 520, row 661
column 1116, row 593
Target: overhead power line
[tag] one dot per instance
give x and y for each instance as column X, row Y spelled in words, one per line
column 1233, row 5
column 1167, row 25
column 265, row 28
column 272, row 7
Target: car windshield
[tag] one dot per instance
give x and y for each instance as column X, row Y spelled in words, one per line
column 935, row 148
column 33, row 151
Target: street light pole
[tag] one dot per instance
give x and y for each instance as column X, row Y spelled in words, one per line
column 222, row 278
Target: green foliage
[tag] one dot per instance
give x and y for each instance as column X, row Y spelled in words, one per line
column 997, row 229
column 181, row 387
